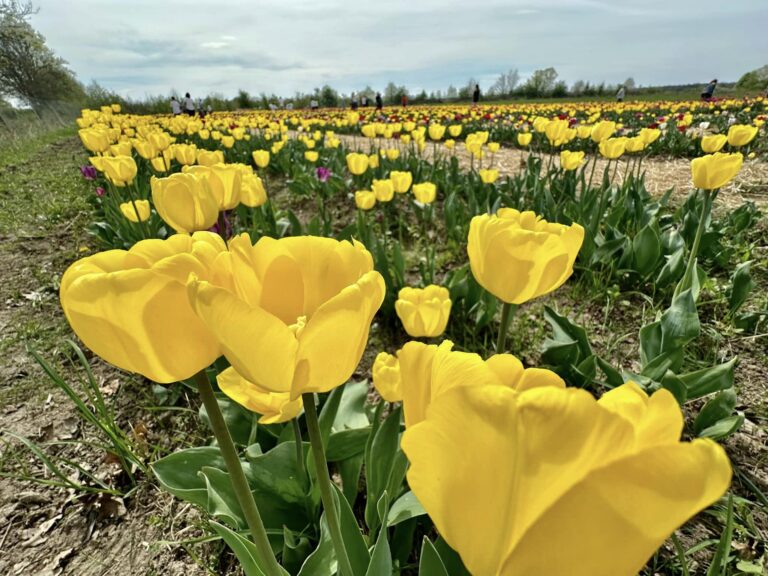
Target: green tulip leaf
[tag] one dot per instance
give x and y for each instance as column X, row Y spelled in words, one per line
column 347, row 443
column 405, row 508
column 179, row 473
column 709, row 380
column 244, row 549
column 222, row 501
column 430, row 563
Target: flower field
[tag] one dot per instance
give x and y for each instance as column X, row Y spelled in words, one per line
column 436, row 340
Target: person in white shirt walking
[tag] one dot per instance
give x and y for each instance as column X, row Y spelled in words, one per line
column 189, row 105
column 175, row 106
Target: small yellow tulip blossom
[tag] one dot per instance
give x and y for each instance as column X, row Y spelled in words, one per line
column 392, row 154
column 518, row 256
column 311, row 156
column 650, row 135
column 185, row 202
column 145, row 149
column 714, row 171
column 97, row 162
column 131, row 308
column 210, row 157
column 570, row 161
column 613, row 148
column 713, row 143
column 365, row 199
column 225, row 181
column 120, row 170
column 383, row 189
column 584, row 131
column 121, row 149
column 425, row 193
column 436, row 131
column 368, row 130
column 424, row 312
column 450, row 144
column 386, row 377
column 137, row 211
column 740, row 135
column 556, row 131
column 455, row 130
column 160, row 140
column 274, row 407
column 603, row 130
column 291, row 315
column 493, row 147
column 357, row 163
column 373, row 161
column 401, row 181
column 488, row 175
column 185, row 154
column 524, row 138
column 261, row 157
column 607, row 480
column 160, row 164
column 94, row 139
column 636, row 144
column 252, row 191
column 427, row 371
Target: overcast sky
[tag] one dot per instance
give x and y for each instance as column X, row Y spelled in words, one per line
column 139, row 47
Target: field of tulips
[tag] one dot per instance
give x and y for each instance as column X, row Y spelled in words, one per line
column 410, row 358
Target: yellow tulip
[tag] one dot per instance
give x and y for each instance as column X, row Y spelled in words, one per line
column 160, row 164
column 584, row 131
column 489, row 175
column 524, row 138
column 392, row 154
column 185, row 154
column 607, row 481
column 713, row 143
column 252, row 191
column 97, row 162
column 450, row 144
column 261, row 157
column 160, row 140
column 715, row 170
column 493, row 147
column 650, row 135
column 210, row 157
column 636, row 144
column 119, row 170
column 427, row 371
column 311, row 156
column 185, row 202
column 425, row 193
column 274, row 407
column 386, row 377
column 130, row 307
column 740, row 135
column 138, row 211
column 226, row 181
column 436, row 131
column 228, row 141
column 613, row 148
column 401, row 181
column 424, row 312
column 368, row 130
column 383, row 189
column 518, row 256
column 357, row 163
column 121, row 149
column 291, row 315
column 365, row 199
column 603, row 130
column 145, row 149
column 556, row 132
column 571, row 160
column 94, row 139
column 373, row 161
column 455, row 130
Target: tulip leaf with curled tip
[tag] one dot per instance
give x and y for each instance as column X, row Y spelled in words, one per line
column 357, row 550
column 741, row 286
column 672, row 270
column 720, row 406
column 566, row 331
column 709, row 380
column 178, row 473
column 404, row 508
column 723, row 428
column 680, row 322
column 244, row 549
column 646, row 247
column 322, row 560
column 430, row 563
column 222, row 502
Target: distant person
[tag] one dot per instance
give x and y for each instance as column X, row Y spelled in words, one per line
column 620, row 95
column 476, row 95
column 379, row 102
column 404, row 100
column 175, row 106
column 200, row 106
column 313, row 104
column 364, row 101
column 209, row 109
column 189, row 105
column 709, row 91
column 354, row 104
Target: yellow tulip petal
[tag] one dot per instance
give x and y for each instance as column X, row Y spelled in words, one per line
column 274, row 407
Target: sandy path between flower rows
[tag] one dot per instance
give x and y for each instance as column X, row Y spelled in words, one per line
column 751, row 184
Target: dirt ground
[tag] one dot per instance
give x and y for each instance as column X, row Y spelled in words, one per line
column 47, row 531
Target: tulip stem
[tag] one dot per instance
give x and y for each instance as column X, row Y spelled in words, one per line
column 507, row 311
column 267, row 561
column 300, row 466
column 690, row 268
column 326, row 489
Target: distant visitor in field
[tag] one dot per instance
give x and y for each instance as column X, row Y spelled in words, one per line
column 709, row 91
column 364, row 101
column 189, row 105
column 175, row 106
column 404, row 100
column 379, row 103
column 353, row 102
column 621, row 93
column 476, row 95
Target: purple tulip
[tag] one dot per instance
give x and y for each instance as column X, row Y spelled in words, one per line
column 88, row 172
column 323, row 173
